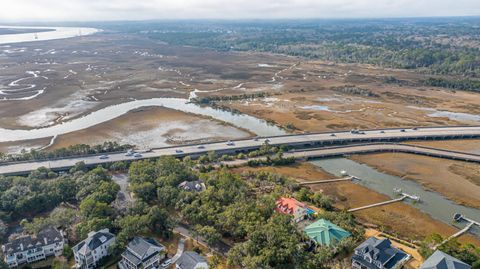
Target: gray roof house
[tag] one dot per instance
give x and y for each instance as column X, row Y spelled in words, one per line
column 378, row 254
column 197, row 186
column 91, row 250
column 441, row 260
column 191, row 260
column 30, row 249
column 142, row 253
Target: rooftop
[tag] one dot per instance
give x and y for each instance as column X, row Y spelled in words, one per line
column 325, row 233
column 288, row 205
column 93, row 241
column 189, row 259
column 45, row 237
column 441, row 260
column 141, row 249
column 380, row 250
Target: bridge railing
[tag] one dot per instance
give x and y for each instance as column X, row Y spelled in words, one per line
column 332, row 141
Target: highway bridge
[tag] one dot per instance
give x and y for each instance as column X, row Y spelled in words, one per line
column 367, row 141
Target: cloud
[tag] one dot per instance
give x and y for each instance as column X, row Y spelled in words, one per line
column 80, row 10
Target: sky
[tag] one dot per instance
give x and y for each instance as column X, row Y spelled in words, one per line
column 103, row 10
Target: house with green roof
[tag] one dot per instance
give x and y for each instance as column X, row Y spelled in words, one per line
column 325, row 233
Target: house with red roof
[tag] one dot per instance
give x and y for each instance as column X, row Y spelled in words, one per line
column 291, row 206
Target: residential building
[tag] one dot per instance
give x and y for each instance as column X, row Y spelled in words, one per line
column 91, row 250
column 292, row 207
column 197, row 186
column 191, row 260
column 441, row 260
column 378, row 254
column 143, row 253
column 30, row 249
column 325, row 233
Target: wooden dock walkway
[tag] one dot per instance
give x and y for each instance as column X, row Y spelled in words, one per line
column 457, row 234
column 378, row 204
column 462, row 231
column 325, row 181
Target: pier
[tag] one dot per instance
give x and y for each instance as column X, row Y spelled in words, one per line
column 403, row 196
column 349, row 178
column 378, row 204
column 459, row 217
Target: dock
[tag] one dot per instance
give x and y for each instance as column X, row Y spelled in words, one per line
column 378, row 204
column 350, row 178
column 459, row 217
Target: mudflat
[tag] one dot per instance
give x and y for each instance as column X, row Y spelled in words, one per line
column 153, row 127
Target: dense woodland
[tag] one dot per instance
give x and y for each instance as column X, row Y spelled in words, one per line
column 435, row 45
column 74, row 150
column 236, row 209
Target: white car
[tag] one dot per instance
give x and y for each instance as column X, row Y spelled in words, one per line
column 137, row 155
column 230, row 143
column 166, row 263
column 103, row 157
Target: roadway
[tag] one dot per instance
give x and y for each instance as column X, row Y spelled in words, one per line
column 300, row 140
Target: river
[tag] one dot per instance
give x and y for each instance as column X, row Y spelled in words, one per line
column 57, row 33
column 254, row 125
column 431, row 203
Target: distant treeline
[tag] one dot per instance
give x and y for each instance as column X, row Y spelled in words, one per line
column 446, row 46
column 464, row 85
column 217, row 98
column 76, row 150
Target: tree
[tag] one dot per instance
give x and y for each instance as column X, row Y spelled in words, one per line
column 59, row 263
column 3, row 229
column 130, row 226
column 145, row 191
column 275, row 244
column 90, row 208
column 167, row 196
column 93, row 224
column 3, row 264
column 159, row 221
column 209, row 233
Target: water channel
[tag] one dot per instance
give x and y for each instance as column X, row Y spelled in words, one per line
column 57, row 33
column 432, row 203
column 257, row 126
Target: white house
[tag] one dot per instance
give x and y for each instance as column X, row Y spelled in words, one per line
column 88, row 252
column 30, row 249
column 191, row 260
column 145, row 253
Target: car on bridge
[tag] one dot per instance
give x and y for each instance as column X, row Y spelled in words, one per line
column 103, row 157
